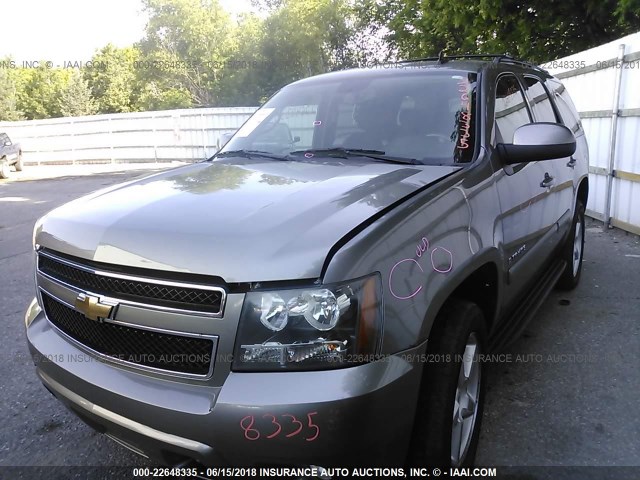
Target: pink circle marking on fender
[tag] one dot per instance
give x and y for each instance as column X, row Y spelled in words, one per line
column 450, row 260
column 391, row 276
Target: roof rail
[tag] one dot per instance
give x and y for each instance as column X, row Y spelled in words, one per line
column 496, row 58
column 508, row 59
column 442, row 58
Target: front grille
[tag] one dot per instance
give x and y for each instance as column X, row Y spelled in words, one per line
column 175, row 353
column 178, row 297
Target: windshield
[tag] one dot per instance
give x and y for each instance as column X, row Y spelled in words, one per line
column 428, row 117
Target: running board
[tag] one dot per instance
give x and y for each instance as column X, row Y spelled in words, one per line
column 520, row 317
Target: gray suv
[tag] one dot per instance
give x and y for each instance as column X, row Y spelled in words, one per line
column 325, row 290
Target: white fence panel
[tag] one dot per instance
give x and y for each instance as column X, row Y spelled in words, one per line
column 605, row 89
column 187, row 134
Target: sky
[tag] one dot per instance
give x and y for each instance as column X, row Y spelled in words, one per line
column 71, row 30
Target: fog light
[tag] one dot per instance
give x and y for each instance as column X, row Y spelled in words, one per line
column 274, row 352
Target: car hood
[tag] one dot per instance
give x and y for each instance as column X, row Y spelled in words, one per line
column 240, row 219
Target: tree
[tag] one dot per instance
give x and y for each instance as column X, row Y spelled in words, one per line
column 242, row 80
column 112, row 79
column 155, row 97
column 39, row 90
column 297, row 39
column 194, row 54
column 185, row 46
column 8, row 92
column 75, row 98
column 537, row 30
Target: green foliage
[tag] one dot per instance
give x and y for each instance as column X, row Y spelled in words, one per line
column 112, row 78
column 39, row 91
column 154, row 97
column 194, row 46
column 194, row 54
column 297, row 39
column 75, row 98
column 536, row 31
column 8, row 92
column 240, row 82
column 186, row 43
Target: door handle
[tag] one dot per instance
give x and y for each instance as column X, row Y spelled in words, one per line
column 547, row 182
column 572, row 163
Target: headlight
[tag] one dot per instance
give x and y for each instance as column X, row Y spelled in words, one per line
column 310, row 328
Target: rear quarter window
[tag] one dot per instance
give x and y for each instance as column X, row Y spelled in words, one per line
column 565, row 105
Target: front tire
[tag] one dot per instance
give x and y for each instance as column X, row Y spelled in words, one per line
column 4, row 168
column 451, row 399
column 19, row 163
column 573, row 251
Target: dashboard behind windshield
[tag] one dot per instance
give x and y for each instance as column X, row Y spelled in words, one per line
column 428, row 117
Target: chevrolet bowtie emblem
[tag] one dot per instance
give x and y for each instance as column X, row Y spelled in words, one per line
column 91, row 307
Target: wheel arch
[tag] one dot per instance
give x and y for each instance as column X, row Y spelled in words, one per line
column 479, row 282
column 583, row 190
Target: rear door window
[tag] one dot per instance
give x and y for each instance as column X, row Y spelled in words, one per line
column 539, row 98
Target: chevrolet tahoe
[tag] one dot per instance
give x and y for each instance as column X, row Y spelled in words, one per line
column 323, row 289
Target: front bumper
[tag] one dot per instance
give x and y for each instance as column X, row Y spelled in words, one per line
column 354, row 416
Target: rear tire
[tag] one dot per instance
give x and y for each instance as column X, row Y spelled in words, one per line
column 19, row 163
column 573, row 251
column 4, row 168
column 451, row 399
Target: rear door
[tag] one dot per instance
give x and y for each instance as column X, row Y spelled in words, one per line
column 577, row 167
column 562, row 168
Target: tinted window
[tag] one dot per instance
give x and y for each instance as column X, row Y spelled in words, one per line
column 565, row 105
column 539, row 97
column 428, row 117
column 511, row 109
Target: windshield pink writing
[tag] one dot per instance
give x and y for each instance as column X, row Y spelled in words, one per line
column 441, row 262
column 465, row 115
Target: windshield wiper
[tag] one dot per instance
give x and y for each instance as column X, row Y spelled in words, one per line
column 357, row 152
column 250, row 153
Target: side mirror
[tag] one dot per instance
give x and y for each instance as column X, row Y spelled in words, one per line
column 538, row 141
column 7, row 143
column 224, row 139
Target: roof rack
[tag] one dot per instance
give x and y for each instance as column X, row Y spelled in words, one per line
column 509, row 59
column 495, row 58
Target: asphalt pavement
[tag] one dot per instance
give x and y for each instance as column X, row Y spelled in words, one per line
column 566, row 393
